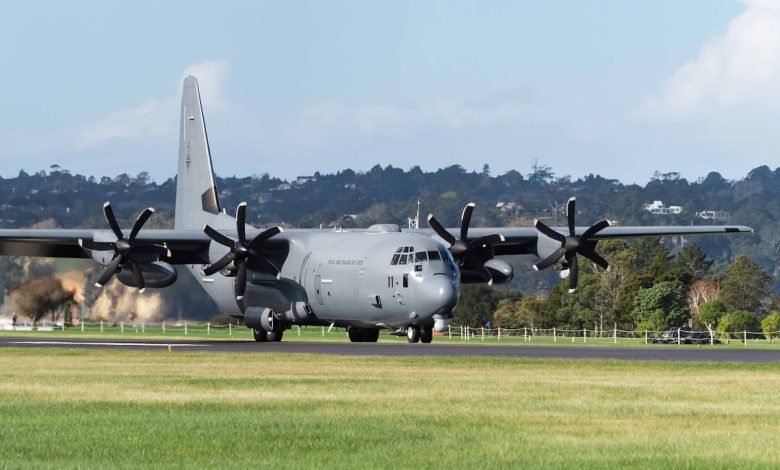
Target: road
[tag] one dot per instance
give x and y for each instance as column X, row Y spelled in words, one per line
column 672, row 353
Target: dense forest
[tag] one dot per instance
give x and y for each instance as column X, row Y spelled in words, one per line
column 57, row 198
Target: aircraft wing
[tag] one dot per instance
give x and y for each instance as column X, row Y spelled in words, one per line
column 522, row 240
column 186, row 246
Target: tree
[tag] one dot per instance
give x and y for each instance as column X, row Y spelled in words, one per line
column 664, row 304
column 737, row 322
column 771, row 325
column 693, row 262
column 745, row 285
column 506, row 314
column 710, row 314
column 701, row 292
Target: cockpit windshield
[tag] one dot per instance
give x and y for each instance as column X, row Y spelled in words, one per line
column 407, row 255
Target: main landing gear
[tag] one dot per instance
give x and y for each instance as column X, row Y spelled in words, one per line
column 423, row 334
column 262, row 336
column 363, row 335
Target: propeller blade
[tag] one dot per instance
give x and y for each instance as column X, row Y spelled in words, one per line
column 160, row 250
column 440, row 230
column 139, row 223
column 109, row 272
column 97, row 246
column 265, row 235
column 571, row 212
column 219, row 265
column 596, row 258
column 550, row 260
column 138, row 277
column 111, row 219
column 574, row 273
column 241, row 280
column 594, row 229
column 241, row 221
column 465, row 221
column 218, row 237
column 542, row 227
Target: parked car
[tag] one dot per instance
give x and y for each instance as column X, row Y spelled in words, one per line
column 686, row 334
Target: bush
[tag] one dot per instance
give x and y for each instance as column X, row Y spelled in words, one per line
column 771, row 325
column 711, row 312
column 737, row 322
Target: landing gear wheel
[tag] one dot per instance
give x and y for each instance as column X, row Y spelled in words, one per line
column 413, row 333
column 276, row 332
column 426, row 334
column 363, row 335
column 261, row 336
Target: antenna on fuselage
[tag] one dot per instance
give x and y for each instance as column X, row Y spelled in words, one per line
column 415, row 223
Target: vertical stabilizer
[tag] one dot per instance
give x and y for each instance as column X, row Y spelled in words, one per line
column 196, row 191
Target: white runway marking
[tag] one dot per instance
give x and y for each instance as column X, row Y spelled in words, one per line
column 81, row 343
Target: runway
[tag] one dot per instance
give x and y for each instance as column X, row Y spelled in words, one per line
column 672, row 353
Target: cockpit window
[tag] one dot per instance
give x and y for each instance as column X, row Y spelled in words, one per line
column 420, row 257
column 434, row 256
column 407, row 255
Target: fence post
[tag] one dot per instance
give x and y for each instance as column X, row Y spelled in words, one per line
column 499, row 333
column 185, row 327
column 584, row 335
column 143, row 327
column 299, row 330
column 555, row 336
column 615, row 336
column 449, row 331
column 645, row 336
column 678, row 336
column 744, row 335
column 323, row 331
column 230, row 329
column 483, row 333
column 525, row 333
column 101, row 326
column 122, row 326
column 208, row 328
column 163, row 327
column 82, row 327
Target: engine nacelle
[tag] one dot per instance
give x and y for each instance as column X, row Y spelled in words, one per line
column 156, row 274
column 440, row 323
column 500, row 270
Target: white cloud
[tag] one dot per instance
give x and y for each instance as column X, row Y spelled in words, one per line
column 732, row 74
column 156, row 116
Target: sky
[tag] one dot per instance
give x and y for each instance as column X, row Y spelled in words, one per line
column 609, row 87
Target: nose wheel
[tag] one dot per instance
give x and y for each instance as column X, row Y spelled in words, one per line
column 413, row 333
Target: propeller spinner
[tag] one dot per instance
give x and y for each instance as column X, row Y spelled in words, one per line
column 572, row 245
column 240, row 251
column 470, row 254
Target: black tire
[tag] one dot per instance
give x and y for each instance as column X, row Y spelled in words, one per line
column 261, row 336
column 363, row 335
column 275, row 335
column 426, row 334
column 413, row 333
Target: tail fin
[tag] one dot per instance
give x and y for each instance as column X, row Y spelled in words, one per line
column 196, row 190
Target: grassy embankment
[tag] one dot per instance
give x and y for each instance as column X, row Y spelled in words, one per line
column 68, row 409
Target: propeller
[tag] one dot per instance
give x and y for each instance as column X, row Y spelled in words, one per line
column 470, row 254
column 240, row 251
column 126, row 250
column 572, row 245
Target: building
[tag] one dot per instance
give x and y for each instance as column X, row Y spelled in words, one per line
column 658, row 208
column 715, row 216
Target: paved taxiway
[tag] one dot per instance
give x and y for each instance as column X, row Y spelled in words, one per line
column 670, row 353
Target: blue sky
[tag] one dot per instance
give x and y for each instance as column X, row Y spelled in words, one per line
column 616, row 88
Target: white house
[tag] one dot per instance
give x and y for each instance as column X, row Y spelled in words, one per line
column 658, row 208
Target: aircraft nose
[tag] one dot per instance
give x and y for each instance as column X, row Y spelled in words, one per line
column 436, row 295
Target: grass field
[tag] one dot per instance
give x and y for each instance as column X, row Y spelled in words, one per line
column 90, row 409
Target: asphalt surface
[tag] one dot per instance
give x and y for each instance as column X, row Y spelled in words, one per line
column 670, row 353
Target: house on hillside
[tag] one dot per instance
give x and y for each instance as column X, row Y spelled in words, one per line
column 715, row 216
column 658, row 208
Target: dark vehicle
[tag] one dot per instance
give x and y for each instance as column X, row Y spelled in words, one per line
column 684, row 335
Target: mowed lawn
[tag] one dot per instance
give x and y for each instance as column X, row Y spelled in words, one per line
column 98, row 409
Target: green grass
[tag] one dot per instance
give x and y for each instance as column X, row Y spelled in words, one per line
column 96, row 409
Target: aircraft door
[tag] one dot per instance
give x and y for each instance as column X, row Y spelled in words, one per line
column 318, row 285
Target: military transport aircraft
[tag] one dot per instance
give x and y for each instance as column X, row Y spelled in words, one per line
column 382, row 277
